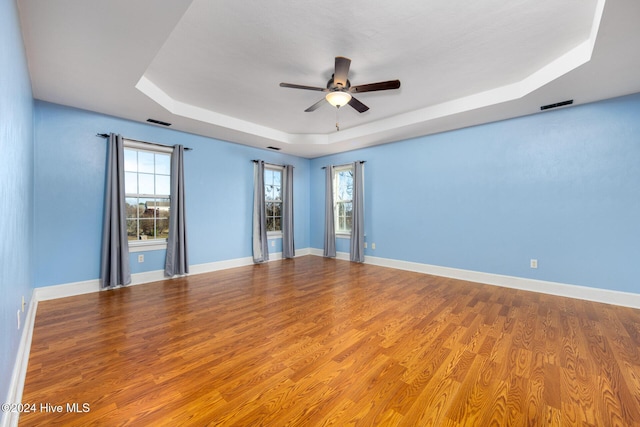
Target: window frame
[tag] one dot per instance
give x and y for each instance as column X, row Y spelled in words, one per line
column 275, row 234
column 336, row 218
column 151, row 244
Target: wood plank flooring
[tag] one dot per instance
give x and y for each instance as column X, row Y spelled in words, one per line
column 313, row 341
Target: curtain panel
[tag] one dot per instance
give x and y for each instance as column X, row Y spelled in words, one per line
column 259, row 237
column 329, row 226
column 177, row 260
column 288, row 247
column 356, row 249
column 114, row 264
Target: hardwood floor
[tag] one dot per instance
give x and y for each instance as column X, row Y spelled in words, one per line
column 313, row 341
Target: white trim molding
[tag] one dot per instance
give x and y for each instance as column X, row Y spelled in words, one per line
column 20, row 366
column 606, row 296
column 88, row 286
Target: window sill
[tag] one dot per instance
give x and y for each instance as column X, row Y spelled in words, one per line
column 343, row 235
column 274, row 235
column 138, row 246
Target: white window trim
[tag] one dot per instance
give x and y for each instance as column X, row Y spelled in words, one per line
column 155, row 244
column 148, row 245
column 272, row 235
column 336, row 170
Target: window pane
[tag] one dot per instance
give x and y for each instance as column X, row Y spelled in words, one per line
column 163, row 184
column 130, row 160
column 345, row 185
column 270, row 224
column 341, row 225
column 145, row 183
column 132, row 207
column 146, row 229
column 131, row 183
column 132, row 229
column 277, row 193
column 277, row 224
column 162, row 208
column 277, row 209
column 277, row 177
column 162, row 228
column 145, row 162
column 269, row 192
column 269, row 209
column 268, row 177
column 147, row 208
column 163, row 164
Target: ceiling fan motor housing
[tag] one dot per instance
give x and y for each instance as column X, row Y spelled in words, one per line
column 337, row 86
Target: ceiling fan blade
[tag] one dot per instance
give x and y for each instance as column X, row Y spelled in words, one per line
column 315, row 106
column 294, row 86
column 341, row 72
column 357, row 105
column 371, row 87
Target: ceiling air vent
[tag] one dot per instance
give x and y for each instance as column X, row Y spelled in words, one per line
column 557, row 104
column 273, row 148
column 158, row 122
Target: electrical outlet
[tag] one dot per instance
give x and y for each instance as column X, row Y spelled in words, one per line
column 18, row 319
column 533, row 263
column 365, row 245
column 23, row 303
column 141, row 258
column 373, row 246
column 273, row 243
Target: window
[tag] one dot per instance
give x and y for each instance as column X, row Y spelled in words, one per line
column 273, row 198
column 147, row 185
column 343, row 198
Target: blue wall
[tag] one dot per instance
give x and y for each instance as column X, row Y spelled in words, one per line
column 69, row 194
column 16, row 188
column 561, row 187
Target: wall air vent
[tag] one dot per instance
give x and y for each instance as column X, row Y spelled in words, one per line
column 273, row 148
column 557, row 104
column 158, row 122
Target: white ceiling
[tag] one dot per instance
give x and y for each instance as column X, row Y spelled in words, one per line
column 213, row 68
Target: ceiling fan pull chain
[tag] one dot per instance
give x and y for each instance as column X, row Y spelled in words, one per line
column 337, row 119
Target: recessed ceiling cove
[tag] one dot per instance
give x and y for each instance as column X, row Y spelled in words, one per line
column 214, row 68
column 224, row 60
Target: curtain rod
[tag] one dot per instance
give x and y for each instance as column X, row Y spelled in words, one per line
column 271, row 164
column 346, row 164
column 106, row 135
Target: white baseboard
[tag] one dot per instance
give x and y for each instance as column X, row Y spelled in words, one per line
column 88, row 286
column 10, row 419
column 339, row 255
column 606, row 296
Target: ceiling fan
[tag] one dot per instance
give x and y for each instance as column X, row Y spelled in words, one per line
column 339, row 88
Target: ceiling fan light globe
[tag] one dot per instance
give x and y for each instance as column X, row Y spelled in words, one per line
column 338, row 98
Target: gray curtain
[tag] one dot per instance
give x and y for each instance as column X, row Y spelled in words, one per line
column 114, row 263
column 288, row 247
column 260, row 243
column 356, row 250
column 177, row 261
column 329, row 226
